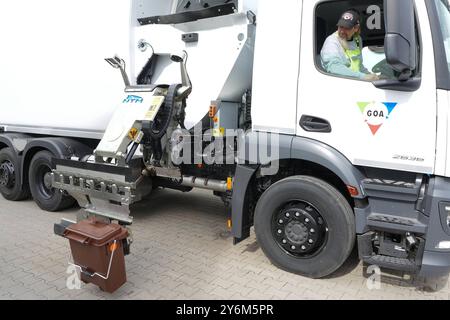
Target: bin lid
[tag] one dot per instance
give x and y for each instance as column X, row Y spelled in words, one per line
column 95, row 232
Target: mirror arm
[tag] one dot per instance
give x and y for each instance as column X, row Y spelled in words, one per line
column 405, row 75
column 410, row 85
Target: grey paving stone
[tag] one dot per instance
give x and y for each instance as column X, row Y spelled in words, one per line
column 180, row 252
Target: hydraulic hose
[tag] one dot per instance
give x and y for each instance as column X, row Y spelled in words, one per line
column 166, row 113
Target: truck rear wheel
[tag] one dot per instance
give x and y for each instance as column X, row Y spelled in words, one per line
column 10, row 185
column 305, row 226
column 46, row 197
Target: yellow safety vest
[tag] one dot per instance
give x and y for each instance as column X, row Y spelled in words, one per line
column 353, row 55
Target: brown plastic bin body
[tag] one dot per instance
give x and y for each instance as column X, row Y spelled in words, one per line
column 93, row 243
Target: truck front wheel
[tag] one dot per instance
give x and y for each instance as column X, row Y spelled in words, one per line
column 46, row 197
column 305, row 226
column 10, row 185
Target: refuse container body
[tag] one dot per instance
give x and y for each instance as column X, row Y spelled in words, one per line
column 97, row 248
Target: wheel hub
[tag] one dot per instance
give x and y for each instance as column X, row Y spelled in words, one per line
column 44, row 181
column 300, row 230
column 48, row 180
column 296, row 232
column 7, row 178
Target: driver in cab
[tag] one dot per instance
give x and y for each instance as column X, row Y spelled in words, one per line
column 342, row 51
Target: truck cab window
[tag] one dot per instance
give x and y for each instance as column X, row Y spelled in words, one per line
column 349, row 39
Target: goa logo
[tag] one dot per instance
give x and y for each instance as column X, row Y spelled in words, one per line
column 376, row 113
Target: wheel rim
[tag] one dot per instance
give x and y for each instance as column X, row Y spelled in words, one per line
column 300, row 230
column 43, row 181
column 7, row 176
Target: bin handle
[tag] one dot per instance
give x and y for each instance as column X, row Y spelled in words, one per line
column 113, row 247
column 78, row 238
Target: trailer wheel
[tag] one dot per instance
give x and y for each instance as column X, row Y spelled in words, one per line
column 10, row 186
column 305, row 226
column 46, row 197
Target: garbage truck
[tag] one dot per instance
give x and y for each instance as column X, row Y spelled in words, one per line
column 232, row 96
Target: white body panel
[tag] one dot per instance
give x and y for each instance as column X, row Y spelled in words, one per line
column 443, row 134
column 409, row 131
column 52, row 70
column 210, row 61
column 134, row 109
column 276, row 68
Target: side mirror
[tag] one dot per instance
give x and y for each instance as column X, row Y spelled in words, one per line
column 400, row 41
column 400, row 45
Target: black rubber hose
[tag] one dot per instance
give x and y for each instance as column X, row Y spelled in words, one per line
column 165, row 114
column 131, row 153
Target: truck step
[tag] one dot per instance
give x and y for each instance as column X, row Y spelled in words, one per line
column 392, row 263
column 395, row 223
column 391, row 189
column 392, row 183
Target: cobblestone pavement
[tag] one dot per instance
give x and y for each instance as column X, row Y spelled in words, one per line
column 181, row 250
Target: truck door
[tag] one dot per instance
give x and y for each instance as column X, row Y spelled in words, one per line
column 384, row 128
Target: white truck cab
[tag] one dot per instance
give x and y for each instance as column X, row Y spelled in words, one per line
column 373, row 127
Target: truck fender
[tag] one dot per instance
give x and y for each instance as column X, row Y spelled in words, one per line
column 299, row 148
column 328, row 157
column 15, row 141
column 290, row 147
column 62, row 148
column 239, row 203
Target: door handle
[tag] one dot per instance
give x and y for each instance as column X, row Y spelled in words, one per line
column 314, row 124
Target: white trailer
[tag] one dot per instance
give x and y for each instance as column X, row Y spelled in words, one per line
column 232, row 96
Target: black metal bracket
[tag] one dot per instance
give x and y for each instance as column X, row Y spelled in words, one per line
column 189, row 16
column 190, row 37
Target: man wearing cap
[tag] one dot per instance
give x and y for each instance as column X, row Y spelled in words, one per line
column 342, row 51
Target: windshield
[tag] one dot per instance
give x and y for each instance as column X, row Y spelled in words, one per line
column 443, row 9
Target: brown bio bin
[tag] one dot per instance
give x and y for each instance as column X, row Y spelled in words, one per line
column 95, row 246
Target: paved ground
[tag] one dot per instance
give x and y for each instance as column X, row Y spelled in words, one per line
column 181, row 251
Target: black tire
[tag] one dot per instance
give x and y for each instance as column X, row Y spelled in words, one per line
column 433, row 284
column 10, row 185
column 46, row 197
column 336, row 224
